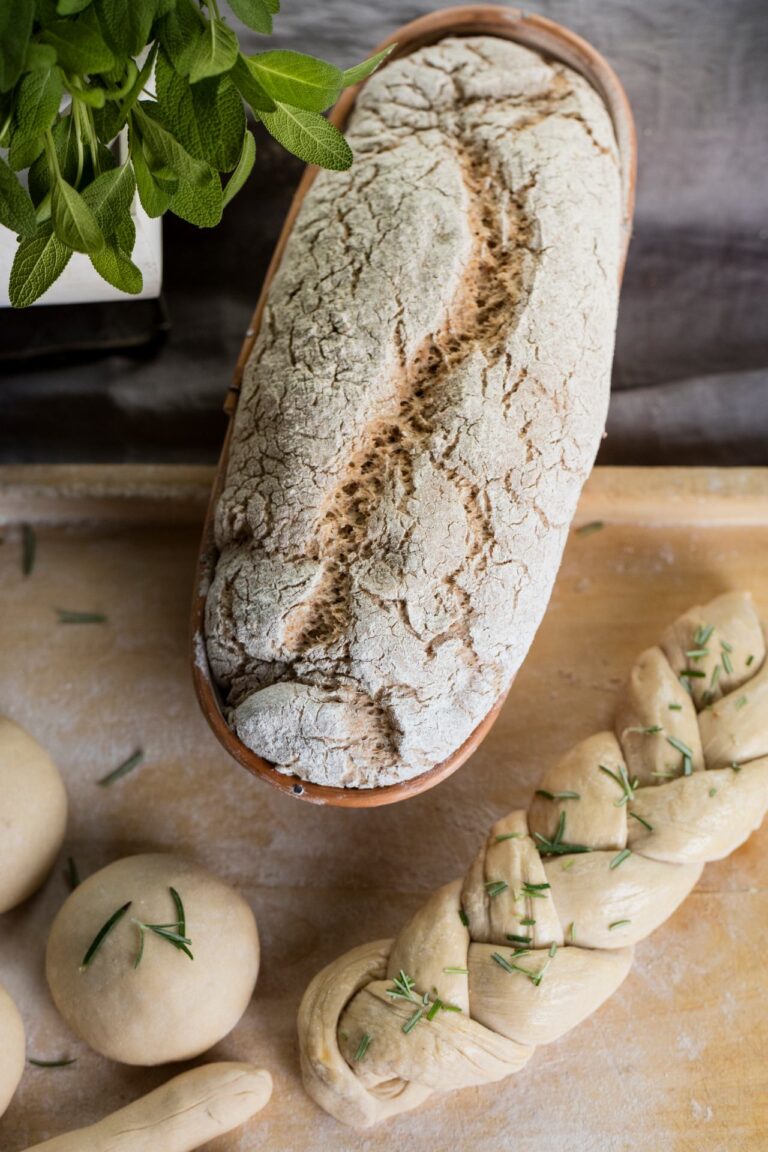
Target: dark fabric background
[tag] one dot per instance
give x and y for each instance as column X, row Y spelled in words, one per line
column 691, row 370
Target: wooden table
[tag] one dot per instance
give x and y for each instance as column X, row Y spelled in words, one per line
column 676, row 1060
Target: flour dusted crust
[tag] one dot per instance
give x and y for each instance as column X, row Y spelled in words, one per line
column 423, row 403
column 540, row 930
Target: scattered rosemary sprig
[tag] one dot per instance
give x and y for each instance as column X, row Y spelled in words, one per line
column 516, row 938
column 363, row 1046
column 28, row 549
column 527, row 922
column 403, row 989
column 622, row 779
column 122, row 769
column 618, row 924
column 675, row 707
column 619, row 858
column 72, row 874
column 51, row 1063
column 693, row 674
column 463, row 917
column 588, row 529
column 558, row 795
column 68, row 616
column 507, row 836
column 642, row 820
column 570, row 931
column 537, row 891
column 557, row 846
column 411, row 1023
column 750, row 660
column 102, row 934
column 697, row 653
column 651, row 730
column 496, row 887
column 456, row 971
column 174, row 933
column 726, row 658
column 439, row 1005
column 703, row 634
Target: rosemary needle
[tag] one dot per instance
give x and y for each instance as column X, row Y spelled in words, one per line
column 618, row 924
column 507, row 836
column 122, row 769
column 67, row 616
column 620, row 858
column 496, row 887
column 72, row 874
column 51, row 1063
column 102, row 934
column 28, row 549
column 363, row 1046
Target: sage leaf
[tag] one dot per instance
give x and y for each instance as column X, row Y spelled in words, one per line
column 110, row 196
column 74, row 223
column 79, row 46
column 38, row 262
column 248, row 86
column 309, row 136
column 126, row 25
column 361, row 71
column 296, row 79
column 215, row 52
column 114, row 266
column 254, row 14
column 243, row 169
column 17, row 211
column 37, row 103
column 23, row 153
column 201, row 206
column 166, row 148
column 39, row 56
column 179, row 33
column 16, row 17
column 207, row 118
column 155, row 198
column 72, row 7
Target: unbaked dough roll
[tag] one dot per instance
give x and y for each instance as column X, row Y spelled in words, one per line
column 12, row 1049
column 540, row 931
column 423, row 403
column 33, row 814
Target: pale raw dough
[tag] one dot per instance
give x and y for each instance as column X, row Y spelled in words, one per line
column 170, row 1007
column 574, row 914
column 33, row 814
column 12, row 1049
column 424, row 401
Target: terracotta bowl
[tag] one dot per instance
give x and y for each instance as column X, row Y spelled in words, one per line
column 558, row 43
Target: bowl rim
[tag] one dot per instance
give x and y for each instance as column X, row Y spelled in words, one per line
column 556, row 42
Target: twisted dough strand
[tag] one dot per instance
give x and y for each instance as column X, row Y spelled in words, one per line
column 541, row 929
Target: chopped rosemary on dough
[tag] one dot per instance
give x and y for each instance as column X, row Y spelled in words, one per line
column 642, row 820
column 741, row 702
column 715, row 677
column 515, row 938
column 620, row 858
column 102, row 934
column 527, row 922
column 675, row 707
column 557, row 795
column 507, row 836
column 535, row 890
column 697, row 653
column 727, row 663
column 557, row 846
column 402, row 987
column 726, row 647
column 588, row 529
column 618, row 924
column 411, row 1023
column 622, row 779
column 666, row 775
column 703, row 634
column 552, row 949
column 363, row 1046
column 693, row 674
column 651, row 730
column 502, row 963
column 68, row 616
column 713, row 791
column 735, row 766
column 28, row 549
column 463, row 917
column 567, row 865
column 51, row 1063
column 687, row 766
column 122, row 769
column 750, row 660
column 496, row 887
column 456, row 971
column 72, row 874
column 570, row 931
column 174, row 933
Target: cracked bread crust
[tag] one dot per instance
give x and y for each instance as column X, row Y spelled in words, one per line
column 423, row 403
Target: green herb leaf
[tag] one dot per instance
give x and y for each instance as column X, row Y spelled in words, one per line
column 242, row 76
column 179, row 33
column 114, row 266
column 749, row 661
column 122, row 769
column 619, row 858
column 518, row 939
column 73, row 221
column 713, row 791
column 309, row 136
column 703, row 634
column 37, row 102
column 254, row 14
column 206, row 118
column 110, row 197
column 496, row 887
column 155, row 195
column 675, row 707
column 456, row 971
column 680, row 746
column 72, row 874
column 102, row 934
column 362, row 1048
column 39, row 261
column 642, row 820
column 79, row 46
column 215, row 52
column 411, row 1024
column 298, row 80
column 17, row 212
column 618, row 924
column 201, row 206
column 23, row 153
column 507, row 836
column 16, row 17
column 463, row 917
column 166, row 149
column 69, row 616
column 126, row 26
column 72, row 7
column 39, row 56
column 181, row 917
column 243, row 169
column 361, row 71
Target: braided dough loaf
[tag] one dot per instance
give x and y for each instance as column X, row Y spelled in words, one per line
column 423, row 403
column 541, row 929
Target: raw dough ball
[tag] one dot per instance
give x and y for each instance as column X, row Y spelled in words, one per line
column 33, row 814
column 169, row 1007
column 11, row 1049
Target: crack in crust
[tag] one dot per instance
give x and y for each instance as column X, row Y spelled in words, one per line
column 423, row 403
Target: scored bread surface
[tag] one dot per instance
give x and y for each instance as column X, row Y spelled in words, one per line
column 422, row 405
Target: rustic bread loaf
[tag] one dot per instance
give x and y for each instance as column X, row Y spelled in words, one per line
column 422, row 405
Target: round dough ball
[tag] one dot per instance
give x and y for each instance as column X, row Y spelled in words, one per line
column 33, row 814
column 12, row 1049
column 168, row 1007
